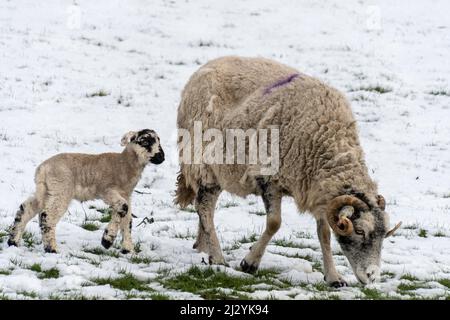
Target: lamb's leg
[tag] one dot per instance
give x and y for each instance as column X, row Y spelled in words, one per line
column 272, row 203
column 54, row 208
column 125, row 227
column 205, row 204
column 331, row 275
column 26, row 212
column 119, row 207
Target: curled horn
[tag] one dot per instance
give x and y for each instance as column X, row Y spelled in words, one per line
column 381, row 202
column 340, row 210
column 391, row 232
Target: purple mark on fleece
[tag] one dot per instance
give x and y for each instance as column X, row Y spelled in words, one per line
column 281, row 82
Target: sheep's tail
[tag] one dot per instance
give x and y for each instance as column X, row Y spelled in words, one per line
column 185, row 195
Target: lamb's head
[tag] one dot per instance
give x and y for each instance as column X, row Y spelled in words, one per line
column 360, row 228
column 146, row 143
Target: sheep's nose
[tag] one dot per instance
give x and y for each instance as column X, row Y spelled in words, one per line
column 373, row 273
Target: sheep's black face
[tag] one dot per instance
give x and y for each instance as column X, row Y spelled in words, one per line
column 149, row 140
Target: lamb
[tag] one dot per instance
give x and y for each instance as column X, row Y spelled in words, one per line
column 321, row 162
column 108, row 176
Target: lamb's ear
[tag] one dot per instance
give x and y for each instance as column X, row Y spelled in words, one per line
column 128, row 137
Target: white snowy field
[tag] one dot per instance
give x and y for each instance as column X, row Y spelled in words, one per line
column 75, row 78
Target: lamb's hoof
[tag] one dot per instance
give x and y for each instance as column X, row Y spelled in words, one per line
column 248, row 268
column 125, row 251
column 12, row 243
column 195, row 245
column 338, row 284
column 49, row 250
column 106, row 243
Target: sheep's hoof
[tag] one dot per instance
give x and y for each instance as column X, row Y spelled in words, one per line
column 106, row 243
column 11, row 243
column 48, row 249
column 125, row 251
column 249, row 268
column 338, row 284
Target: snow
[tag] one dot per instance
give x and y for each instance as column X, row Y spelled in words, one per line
column 142, row 53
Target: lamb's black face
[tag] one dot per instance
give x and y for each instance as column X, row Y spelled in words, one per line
column 149, row 140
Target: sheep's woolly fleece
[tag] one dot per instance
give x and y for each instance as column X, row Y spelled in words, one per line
column 70, row 89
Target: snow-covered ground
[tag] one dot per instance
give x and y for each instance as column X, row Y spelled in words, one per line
column 75, row 76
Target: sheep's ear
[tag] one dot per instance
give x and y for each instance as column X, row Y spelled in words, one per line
column 128, row 137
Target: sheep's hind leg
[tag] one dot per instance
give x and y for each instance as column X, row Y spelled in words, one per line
column 331, row 275
column 205, row 204
column 26, row 212
column 200, row 244
column 272, row 203
column 120, row 208
column 54, row 208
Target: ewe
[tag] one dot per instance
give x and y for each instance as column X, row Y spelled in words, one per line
column 321, row 162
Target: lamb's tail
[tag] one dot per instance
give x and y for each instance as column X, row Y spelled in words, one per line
column 41, row 186
column 185, row 195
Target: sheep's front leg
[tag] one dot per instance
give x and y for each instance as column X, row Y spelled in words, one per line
column 205, row 204
column 119, row 207
column 272, row 203
column 126, row 225
column 331, row 275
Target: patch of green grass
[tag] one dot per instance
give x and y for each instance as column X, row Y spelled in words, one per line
column 252, row 238
column 290, row 244
column 49, row 274
column 187, row 235
column 5, row 272
column 141, row 259
column 4, row 297
column 258, row 212
column 100, row 93
column 445, row 282
column 30, row 294
column 306, row 257
column 411, row 226
column 303, row 235
column 402, row 287
column 207, row 282
column 409, row 277
column 439, row 234
column 55, row 296
column 28, row 239
column 137, row 247
column 376, row 88
column 236, row 245
column 126, row 282
column 159, row 296
column 230, row 204
column 102, row 252
column 89, row 226
column 3, row 236
column 36, row 267
column 423, row 233
column 322, row 286
column 374, row 294
column 439, row 93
